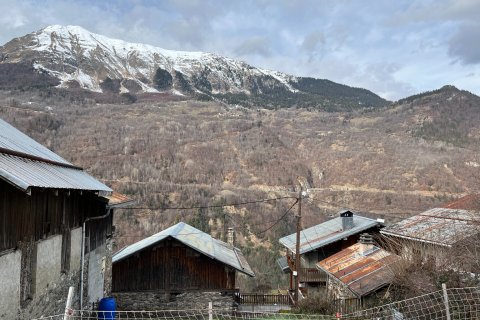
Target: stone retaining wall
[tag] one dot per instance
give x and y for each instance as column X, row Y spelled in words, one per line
column 149, row 301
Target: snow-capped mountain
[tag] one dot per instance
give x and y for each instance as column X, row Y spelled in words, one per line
column 76, row 58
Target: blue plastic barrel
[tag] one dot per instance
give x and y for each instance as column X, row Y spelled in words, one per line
column 106, row 309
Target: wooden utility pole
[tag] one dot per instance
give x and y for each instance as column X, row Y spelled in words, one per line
column 298, row 267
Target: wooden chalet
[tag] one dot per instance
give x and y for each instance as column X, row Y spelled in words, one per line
column 48, row 208
column 320, row 242
column 178, row 259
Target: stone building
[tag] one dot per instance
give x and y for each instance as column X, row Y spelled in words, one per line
column 178, row 268
column 48, row 209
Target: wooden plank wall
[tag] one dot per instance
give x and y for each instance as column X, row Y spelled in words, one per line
column 171, row 266
column 44, row 213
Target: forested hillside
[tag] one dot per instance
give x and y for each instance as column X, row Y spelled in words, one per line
column 389, row 162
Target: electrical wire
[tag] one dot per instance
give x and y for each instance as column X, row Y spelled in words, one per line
column 235, row 204
column 201, row 232
column 281, row 218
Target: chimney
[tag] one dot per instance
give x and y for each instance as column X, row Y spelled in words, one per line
column 347, row 219
column 230, row 236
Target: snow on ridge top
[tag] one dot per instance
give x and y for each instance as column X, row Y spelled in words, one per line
column 90, row 39
column 282, row 77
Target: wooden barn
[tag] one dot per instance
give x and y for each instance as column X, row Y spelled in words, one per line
column 440, row 238
column 48, row 209
column 177, row 260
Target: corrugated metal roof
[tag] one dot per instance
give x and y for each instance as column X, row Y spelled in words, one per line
column 326, row 233
column 26, row 173
column 283, row 264
column 363, row 268
column 25, row 163
column 195, row 239
column 13, row 139
column 441, row 226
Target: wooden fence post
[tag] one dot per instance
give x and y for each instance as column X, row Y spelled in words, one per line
column 210, row 310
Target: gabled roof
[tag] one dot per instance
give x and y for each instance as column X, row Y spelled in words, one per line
column 362, row 268
column 25, row 163
column 14, row 140
column 440, row 226
column 195, row 239
column 327, row 232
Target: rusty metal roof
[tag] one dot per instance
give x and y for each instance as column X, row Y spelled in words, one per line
column 118, row 200
column 25, row 163
column 362, row 268
column 468, row 202
column 195, row 239
column 327, row 232
column 440, row 226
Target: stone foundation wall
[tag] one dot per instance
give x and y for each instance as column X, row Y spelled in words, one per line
column 10, row 264
column 48, row 264
column 135, row 301
column 48, row 284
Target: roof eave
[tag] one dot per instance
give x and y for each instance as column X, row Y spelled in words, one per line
column 122, row 205
column 415, row 239
column 331, row 240
column 13, row 180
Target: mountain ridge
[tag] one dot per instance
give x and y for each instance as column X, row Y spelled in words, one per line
column 77, row 58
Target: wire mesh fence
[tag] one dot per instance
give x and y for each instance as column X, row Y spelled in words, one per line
column 202, row 314
column 447, row 304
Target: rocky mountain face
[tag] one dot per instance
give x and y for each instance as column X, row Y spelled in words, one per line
column 71, row 57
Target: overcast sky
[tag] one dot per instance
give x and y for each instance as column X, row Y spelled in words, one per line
column 394, row 48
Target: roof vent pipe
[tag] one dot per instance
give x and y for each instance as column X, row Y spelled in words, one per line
column 347, row 219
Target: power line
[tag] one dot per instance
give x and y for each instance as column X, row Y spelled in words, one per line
column 201, row 232
column 235, row 204
column 281, row 218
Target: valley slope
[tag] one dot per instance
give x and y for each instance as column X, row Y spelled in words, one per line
column 389, row 162
column 183, row 129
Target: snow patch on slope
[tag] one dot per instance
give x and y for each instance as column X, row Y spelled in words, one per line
column 282, row 77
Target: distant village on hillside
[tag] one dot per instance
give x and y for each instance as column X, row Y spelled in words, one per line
column 57, row 230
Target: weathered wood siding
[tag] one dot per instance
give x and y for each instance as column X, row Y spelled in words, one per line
column 171, row 266
column 47, row 212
